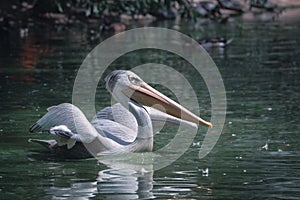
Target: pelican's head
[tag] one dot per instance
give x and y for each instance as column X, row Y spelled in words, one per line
column 125, row 85
column 119, row 81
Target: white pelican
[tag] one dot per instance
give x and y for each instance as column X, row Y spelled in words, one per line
column 124, row 127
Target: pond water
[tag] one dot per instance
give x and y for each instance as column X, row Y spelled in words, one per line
column 256, row 157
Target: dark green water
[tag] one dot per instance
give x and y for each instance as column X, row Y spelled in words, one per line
column 261, row 74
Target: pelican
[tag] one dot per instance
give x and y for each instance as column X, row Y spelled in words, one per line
column 127, row 126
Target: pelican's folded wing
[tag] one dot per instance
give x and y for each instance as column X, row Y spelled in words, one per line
column 68, row 115
column 62, row 114
column 119, row 114
column 115, row 131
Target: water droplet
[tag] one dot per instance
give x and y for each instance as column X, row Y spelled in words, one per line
column 204, row 172
column 196, row 144
column 266, row 147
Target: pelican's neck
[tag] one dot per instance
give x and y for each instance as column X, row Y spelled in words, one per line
column 143, row 119
column 144, row 139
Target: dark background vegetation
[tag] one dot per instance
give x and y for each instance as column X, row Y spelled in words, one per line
column 25, row 12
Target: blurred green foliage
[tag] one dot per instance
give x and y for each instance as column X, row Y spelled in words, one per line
column 130, row 7
column 94, row 8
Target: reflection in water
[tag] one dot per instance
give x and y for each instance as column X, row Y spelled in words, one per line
column 126, row 181
column 80, row 190
column 119, row 181
column 32, row 51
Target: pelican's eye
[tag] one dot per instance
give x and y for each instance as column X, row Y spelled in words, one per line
column 134, row 80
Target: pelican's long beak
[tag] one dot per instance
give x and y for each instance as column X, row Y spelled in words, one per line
column 148, row 96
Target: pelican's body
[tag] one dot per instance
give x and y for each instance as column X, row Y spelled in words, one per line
column 124, row 127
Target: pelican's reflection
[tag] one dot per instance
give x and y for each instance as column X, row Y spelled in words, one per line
column 117, row 180
column 125, row 181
